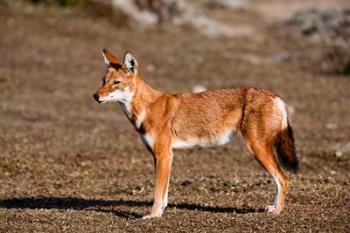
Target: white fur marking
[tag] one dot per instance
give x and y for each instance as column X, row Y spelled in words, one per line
column 130, row 62
column 105, row 59
column 203, row 142
column 281, row 106
column 126, row 107
column 278, row 187
column 177, row 144
column 124, row 97
column 225, row 137
column 147, row 139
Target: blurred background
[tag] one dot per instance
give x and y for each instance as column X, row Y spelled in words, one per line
column 69, row 164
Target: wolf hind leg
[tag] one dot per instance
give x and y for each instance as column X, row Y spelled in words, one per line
column 264, row 154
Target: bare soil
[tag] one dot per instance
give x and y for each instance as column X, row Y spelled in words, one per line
column 68, row 164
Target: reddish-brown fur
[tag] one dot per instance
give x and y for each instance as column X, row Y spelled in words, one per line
column 166, row 120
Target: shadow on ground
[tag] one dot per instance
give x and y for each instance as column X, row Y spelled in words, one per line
column 98, row 204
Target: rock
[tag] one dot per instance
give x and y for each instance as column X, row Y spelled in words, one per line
column 330, row 25
column 338, row 154
column 331, row 125
column 198, row 88
column 341, row 149
column 150, row 67
column 330, row 28
column 149, row 13
column 233, row 4
column 187, row 183
column 230, row 183
column 291, row 110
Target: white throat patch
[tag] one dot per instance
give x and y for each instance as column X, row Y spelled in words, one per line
column 124, row 97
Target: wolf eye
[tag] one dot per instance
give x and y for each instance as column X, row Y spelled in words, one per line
column 116, row 82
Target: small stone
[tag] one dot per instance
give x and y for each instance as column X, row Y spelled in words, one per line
column 234, row 4
column 150, row 67
column 198, row 88
column 187, row 183
column 291, row 109
column 341, row 149
column 331, row 125
column 338, row 154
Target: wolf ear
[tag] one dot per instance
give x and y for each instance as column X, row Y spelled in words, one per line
column 130, row 63
column 109, row 58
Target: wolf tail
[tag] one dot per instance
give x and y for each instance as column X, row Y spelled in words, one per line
column 285, row 149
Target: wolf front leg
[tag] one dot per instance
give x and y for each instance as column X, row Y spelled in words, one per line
column 163, row 160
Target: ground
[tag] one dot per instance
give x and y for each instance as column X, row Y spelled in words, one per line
column 68, row 164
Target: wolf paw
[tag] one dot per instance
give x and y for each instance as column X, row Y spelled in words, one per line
column 149, row 216
column 273, row 209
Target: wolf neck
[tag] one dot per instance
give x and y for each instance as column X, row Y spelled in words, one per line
column 139, row 100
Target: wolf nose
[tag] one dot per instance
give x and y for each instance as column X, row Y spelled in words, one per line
column 96, row 97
